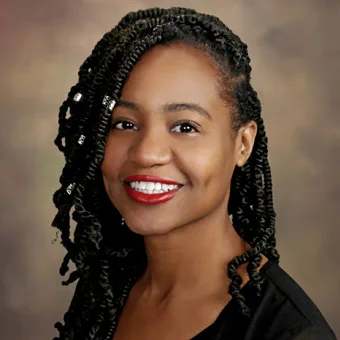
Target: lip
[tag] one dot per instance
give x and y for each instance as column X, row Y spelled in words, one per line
column 143, row 198
column 149, row 178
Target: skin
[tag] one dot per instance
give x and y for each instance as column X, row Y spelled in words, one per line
column 190, row 239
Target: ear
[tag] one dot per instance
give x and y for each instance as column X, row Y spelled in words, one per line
column 245, row 139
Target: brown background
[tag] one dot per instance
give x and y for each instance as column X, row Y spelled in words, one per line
column 295, row 51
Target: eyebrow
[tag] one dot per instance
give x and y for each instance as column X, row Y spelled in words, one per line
column 170, row 107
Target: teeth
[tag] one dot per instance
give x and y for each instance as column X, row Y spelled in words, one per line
column 152, row 187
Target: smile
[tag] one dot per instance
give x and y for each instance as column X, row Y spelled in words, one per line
column 152, row 188
column 151, row 192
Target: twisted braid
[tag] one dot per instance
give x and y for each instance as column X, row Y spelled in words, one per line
column 108, row 256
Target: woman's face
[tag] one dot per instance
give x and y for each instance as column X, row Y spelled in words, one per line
column 169, row 88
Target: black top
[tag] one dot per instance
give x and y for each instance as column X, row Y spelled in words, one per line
column 282, row 312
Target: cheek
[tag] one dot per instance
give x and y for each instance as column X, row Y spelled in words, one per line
column 112, row 158
column 107, row 166
column 209, row 162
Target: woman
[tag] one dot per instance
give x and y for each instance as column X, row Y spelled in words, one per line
column 167, row 173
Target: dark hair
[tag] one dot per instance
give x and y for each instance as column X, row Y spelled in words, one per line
column 108, row 256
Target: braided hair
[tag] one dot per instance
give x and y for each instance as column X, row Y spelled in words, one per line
column 109, row 257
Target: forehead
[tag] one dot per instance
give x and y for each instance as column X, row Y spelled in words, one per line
column 172, row 72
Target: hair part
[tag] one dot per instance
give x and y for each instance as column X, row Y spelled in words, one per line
column 108, row 256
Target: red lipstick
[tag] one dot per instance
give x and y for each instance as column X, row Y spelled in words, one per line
column 143, row 198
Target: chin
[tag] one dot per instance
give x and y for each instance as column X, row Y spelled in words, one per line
column 148, row 230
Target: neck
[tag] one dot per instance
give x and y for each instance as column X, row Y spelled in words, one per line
column 190, row 260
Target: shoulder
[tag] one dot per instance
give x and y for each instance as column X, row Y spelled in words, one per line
column 312, row 332
column 282, row 286
column 289, row 311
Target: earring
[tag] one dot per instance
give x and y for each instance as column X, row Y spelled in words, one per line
column 123, row 221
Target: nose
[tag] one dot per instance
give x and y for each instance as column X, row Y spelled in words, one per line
column 150, row 148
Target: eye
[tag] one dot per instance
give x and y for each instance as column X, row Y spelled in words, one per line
column 186, row 127
column 124, row 125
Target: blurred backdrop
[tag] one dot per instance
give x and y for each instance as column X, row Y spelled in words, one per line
column 295, row 52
